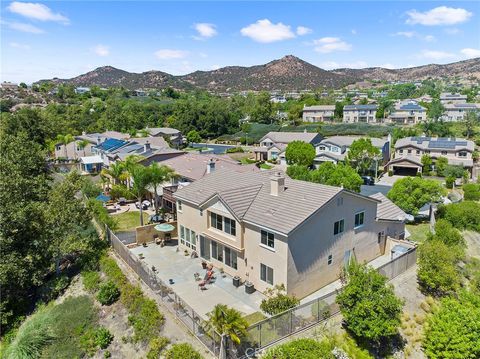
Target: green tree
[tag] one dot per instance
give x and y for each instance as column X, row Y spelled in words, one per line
column 262, row 111
column 337, row 175
column 23, row 85
column 193, row 137
column 361, row 155
column 339, row 110
column 159, row 174
column 82, row 144
column 65, row 140
column 368, row 304
column 463, row 215
column 426, row 164
column 453, row 330
column 115, row 171
column 440, row 165
column 470, row 121
column 447, row 233
column 412, row 193
column 182, row 350
column 436, row 110
column 141, row 180
column 228, row 322
column 471, row 191
column 300, row 153
column 278, row 301
column 298, row 172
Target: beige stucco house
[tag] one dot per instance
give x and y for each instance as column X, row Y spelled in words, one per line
column 269, row 229
column 318, row 113
column 359, row 113
column 409, row 151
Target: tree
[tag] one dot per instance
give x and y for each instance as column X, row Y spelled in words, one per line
column 141, row 180
column 23, row 85
column 182, row 350
column 368, row 304
column 193, row 137
column 462, row 215
column 300, row 153
column 298, row 172
column 278, row 301
column 65, row 140
column 262, row 111
column 115, row 172
column 426, row 164
column 412, row 193
column 441, row 164
column 436, row 110
column 470, row 121
column 446, row 233
column 340, row 175
column 82, row 144
column 159, row 174
column 437, row 269
column 454, row 328
column 228, row 322
column 471, row 191
column 339, row 110
column 361, row 155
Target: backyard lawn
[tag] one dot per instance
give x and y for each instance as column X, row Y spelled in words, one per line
column 127, row 221
column 418, row 231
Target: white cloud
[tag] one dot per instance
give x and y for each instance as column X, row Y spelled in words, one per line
column 17, row 45
column 215, row 67
column 205, row 30
column 302, row 30
column 436, row 55
column 101, row 50
column 388, row 66
column 441, row 15
column 36, row 11
column 353, row 31
column 203, row 55
column 265, row 31
column 453, row 31
column 168, row 54
column 331, row 44
column 331, row 65
column 413, row 34
column 20, row 26
column 429, row 38
column 408, row 34
column 470, row 53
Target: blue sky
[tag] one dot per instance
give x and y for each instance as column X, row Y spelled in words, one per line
column 67, row 38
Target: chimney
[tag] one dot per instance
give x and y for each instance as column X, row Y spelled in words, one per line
column 210, row 165
column 146, row 147
column 277, row 184
column 99, row 140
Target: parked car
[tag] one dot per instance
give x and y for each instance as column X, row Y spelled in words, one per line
column 145, row 205
column 122, row 201
column 368, row 180
column 155, row 218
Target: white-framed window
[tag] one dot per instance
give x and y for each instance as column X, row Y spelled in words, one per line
column 216, row 221
column 266, row 273
column 330, row 259
column 380, row 237
column 230, row 226
column 339, row 227
column 267, row 239
column 179, row 205
column 188, row 238
column 359, row 219
column 182, row 235
column 230, row 258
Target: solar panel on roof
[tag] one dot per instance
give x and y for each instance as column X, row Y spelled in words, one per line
column 111, row 144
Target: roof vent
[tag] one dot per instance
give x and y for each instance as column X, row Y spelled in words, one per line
column 210, row 165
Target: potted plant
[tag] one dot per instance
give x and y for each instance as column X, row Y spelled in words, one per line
column 140, row 255
column 204, row 264
column 185, row 252
column 222, row 272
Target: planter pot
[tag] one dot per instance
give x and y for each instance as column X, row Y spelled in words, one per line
column 204, row 265
column 236, row 281
column 249, row 288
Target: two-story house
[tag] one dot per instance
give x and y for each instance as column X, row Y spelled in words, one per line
column 457, row 111
column 446, row 97
column 273, row 144
column 335, row 149
column 173, row 135
column 269, row 229
column 408, row 113
column 318, row 113
column 359, row 113
column 409, row 151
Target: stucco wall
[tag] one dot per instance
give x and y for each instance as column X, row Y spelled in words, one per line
column 146, row 233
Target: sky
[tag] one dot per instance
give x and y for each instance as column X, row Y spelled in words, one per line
column 64, row 39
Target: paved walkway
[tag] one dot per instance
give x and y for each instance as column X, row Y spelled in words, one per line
column 171, row 264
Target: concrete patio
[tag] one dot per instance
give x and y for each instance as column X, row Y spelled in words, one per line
column 171, row 264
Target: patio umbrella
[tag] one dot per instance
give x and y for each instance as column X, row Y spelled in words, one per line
column 102, row 197
column 164, row 227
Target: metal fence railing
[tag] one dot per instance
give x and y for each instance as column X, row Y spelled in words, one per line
column 174, row 303
column 264, row 333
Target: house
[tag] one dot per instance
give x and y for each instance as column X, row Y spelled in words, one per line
column 318, row 113
column 408, row 153
column 140, row 93
column 408, row 113
column 334, row 149
column 91, row 164
column 457, row 111
column 278, row 99
column 82, row 90
column 173, row 135
column 452, row 98
column 359, row 113
column 269, row 229
column 8, row 86
column 273, row 144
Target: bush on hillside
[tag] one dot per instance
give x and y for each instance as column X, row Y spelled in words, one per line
column 471, row 191
column 108, row 293
column 182, row 351
column 91, row 281
column 462, row 215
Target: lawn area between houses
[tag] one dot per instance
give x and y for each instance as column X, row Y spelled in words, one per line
column 128, row 221
column 418, row 231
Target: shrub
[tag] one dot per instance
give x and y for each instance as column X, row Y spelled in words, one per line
column 119, row 190
column 449, row 181
column 235, row 150
column 95, row 338
column 112, row 270
column 90, row 189
column 146, row 319
column 446, row 233
column 91, row 281
column 107, row 354
column 103, row 337
column 278, row 303
column 54, row 287
column 390, row 173
column 182, row 351
column 108, row 293
column 471, row 192
column 419, row 174
column 157, row 345
column 463, row 215
column 304, row 348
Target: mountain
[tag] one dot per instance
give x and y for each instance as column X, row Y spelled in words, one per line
column 287, row 73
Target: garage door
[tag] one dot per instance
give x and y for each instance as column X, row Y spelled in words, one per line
column 405, row 171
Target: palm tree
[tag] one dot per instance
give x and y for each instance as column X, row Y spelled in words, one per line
column 158, row 175
column 82, row 144
column 115, row 172
column 228, row 322
column 129, row 164
column 141, row 179
column 65, row 140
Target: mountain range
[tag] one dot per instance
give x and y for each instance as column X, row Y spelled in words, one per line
column 287, row 73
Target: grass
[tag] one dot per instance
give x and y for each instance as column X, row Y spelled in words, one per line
column 254, row 317
column 418, row 231
column 265, row 166
column 128, row 221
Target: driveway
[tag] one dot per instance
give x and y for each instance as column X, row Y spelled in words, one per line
column 389, row 180
column 369, row 190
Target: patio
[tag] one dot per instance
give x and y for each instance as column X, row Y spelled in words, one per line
column 170, row 264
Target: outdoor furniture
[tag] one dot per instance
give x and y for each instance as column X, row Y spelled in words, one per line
column 196, row 276
column 165, row 228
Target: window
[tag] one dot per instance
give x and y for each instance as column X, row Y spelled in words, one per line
column 214, row 249
column 444, row 152
column 340, row 201
column 268, row 239
column 230, row 258
column 216, row 221
column 401, row 151
column 182, row 234
column 321, row 148
column 462, row 154
column 427, row 151
column 266, row 273
column 338, row 227
column 409, row 151
column 179, row 205
column 418, row 152
column 230, row 226
column 359, row 219
column 380, row 236
column 330, row 259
